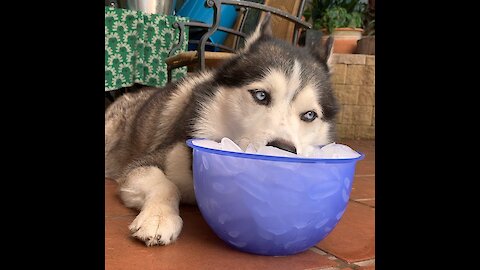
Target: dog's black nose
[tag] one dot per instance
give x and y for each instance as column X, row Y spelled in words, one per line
column 282, row 144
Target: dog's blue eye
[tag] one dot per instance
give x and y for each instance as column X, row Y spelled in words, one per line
column 308, row 116
column 260, row 96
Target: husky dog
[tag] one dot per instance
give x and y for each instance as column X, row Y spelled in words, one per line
column 269, row 93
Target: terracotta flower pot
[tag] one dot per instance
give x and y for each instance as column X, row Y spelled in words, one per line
column 345, row 39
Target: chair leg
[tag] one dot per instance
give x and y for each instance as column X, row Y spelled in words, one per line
column 169, row 74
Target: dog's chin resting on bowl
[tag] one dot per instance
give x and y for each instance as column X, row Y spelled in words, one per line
column 268, row 93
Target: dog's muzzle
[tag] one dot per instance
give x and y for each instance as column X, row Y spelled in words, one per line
column 284, row 145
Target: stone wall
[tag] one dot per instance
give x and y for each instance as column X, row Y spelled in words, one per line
column 353, row 81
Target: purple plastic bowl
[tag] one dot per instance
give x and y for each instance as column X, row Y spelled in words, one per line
column 270, row 205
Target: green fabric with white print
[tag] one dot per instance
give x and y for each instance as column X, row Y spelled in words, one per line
column 136, row 46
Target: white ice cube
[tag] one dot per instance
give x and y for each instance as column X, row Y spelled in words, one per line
column 274, row 151
column 207, row 144
column 312, row 152
column 335, row 150
column 229, row 145
column 251, row 149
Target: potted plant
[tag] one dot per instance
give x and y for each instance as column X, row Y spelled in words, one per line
column 366, row 45
column 341, row 18
column 344, row 26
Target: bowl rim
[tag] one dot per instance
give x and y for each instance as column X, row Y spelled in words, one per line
column 271, row 158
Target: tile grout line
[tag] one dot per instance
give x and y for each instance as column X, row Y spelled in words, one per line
column 362, row 203
column 343, row 263
column 366, row 199
column 340, row 263
column 370, row 262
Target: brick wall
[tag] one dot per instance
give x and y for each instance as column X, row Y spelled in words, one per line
column 353, row 81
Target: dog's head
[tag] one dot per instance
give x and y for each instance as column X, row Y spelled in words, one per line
column 272, row 93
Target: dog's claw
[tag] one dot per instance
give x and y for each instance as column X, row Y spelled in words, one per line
column 153, row 232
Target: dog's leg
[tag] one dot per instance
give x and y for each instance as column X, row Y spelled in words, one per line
column 148, row 189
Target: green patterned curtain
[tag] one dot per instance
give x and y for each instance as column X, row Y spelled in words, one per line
column 136, row 46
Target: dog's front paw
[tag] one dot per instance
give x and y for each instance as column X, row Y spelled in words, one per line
column 156, row 229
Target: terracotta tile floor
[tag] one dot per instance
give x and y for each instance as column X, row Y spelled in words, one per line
column 351, row 245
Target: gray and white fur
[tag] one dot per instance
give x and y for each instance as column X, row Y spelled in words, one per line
column 269, row 93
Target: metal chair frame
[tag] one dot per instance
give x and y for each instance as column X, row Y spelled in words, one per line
column 215, row 26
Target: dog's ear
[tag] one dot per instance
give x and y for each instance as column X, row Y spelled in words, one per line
column 323, row 52
column 328, row 52
column 263, row 30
